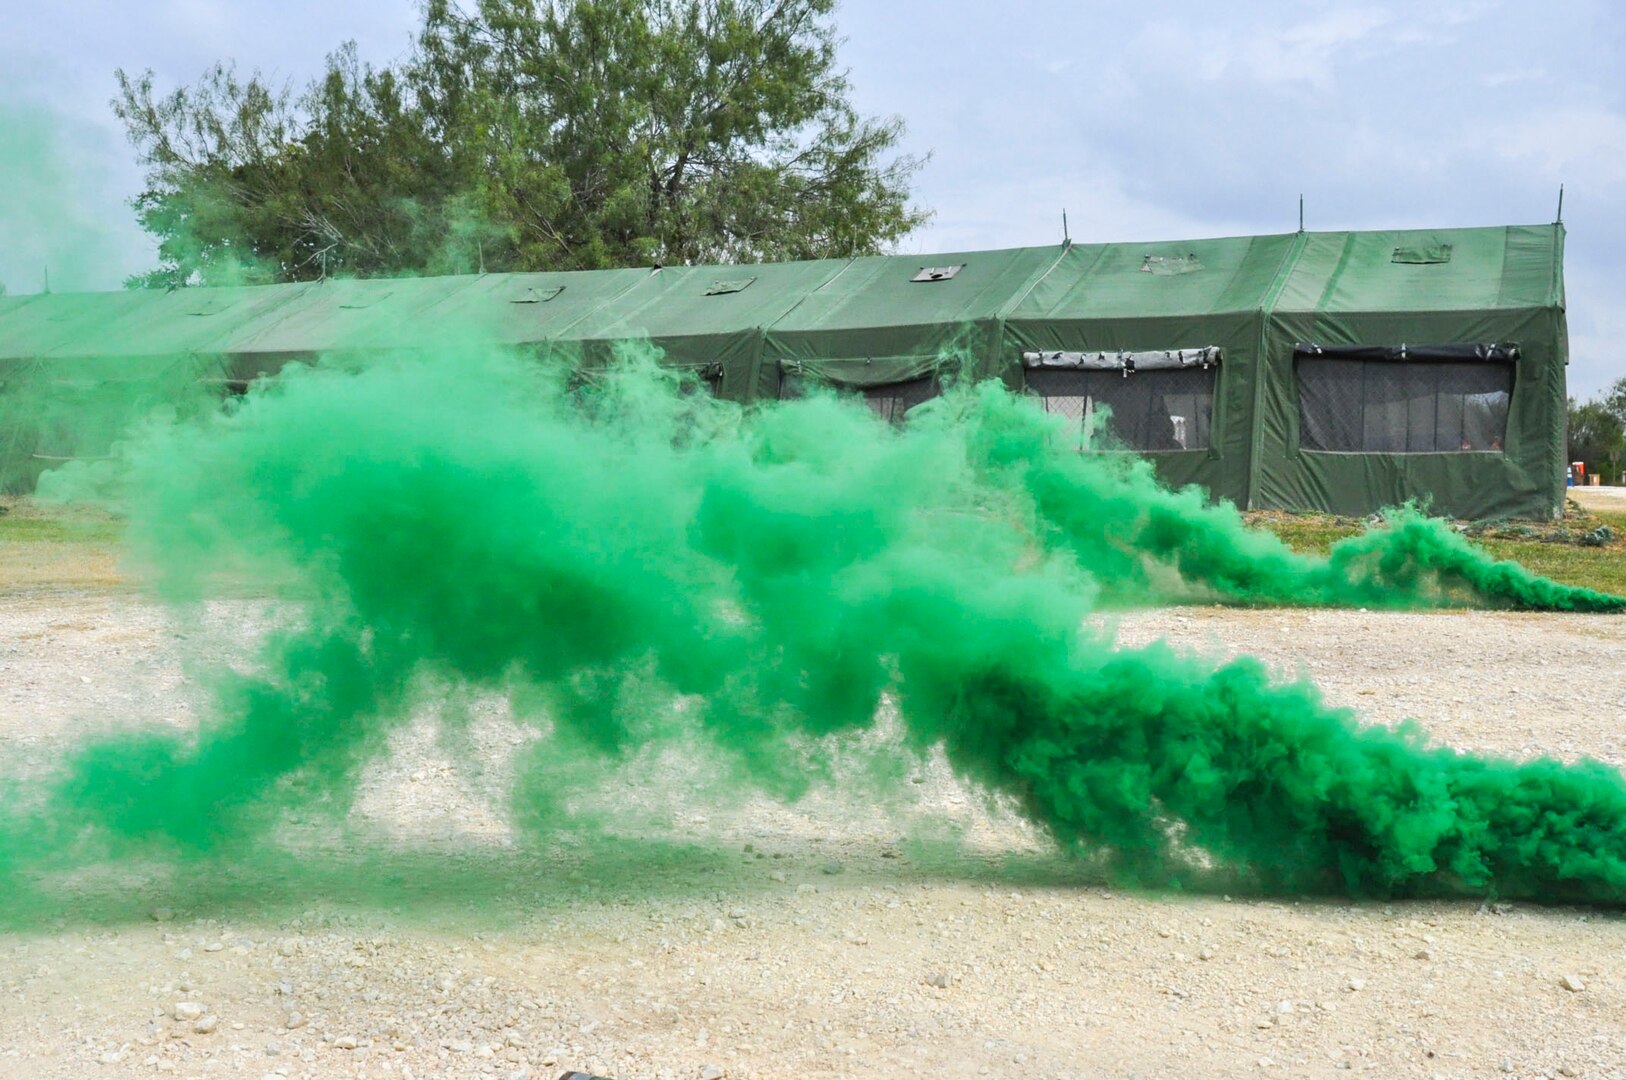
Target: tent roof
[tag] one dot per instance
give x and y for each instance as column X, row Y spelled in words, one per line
column 869, row 306
column 1191, row 277
column 1514, row 267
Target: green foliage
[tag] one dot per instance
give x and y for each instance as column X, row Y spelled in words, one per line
column 527, row 135
column 1614, row 400
column 1597, row 432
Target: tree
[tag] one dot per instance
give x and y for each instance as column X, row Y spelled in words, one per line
column 528, row 135
column 1596, row 435
column 1614, row 400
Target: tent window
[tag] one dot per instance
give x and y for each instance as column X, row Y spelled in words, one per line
column 1149, row 410
column 710, row 376
column 1389, row 407
column 892, row 401
column 889, row 401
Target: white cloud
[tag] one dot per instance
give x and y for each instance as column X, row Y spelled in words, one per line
column 1306, row 52
column 1580, row 144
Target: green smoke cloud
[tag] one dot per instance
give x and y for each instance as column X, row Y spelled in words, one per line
column 636, row 565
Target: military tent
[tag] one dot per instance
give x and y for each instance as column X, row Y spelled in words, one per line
column 1334, row 371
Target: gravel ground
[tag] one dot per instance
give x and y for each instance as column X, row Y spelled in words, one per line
column 810, row 941
column 1599, row 498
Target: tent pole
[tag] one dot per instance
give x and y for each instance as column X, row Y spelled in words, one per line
column 1559, row 219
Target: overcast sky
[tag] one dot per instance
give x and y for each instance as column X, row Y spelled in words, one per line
column 1159, row 120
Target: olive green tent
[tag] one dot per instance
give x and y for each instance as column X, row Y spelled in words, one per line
column 1330, row 371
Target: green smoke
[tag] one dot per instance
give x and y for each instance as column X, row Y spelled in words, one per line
column 636, row 565
column 80, row 410
column 1128, row 532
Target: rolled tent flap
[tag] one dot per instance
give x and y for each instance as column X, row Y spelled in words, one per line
column 1147, row 360
column 867, row 372
column 1506, row 352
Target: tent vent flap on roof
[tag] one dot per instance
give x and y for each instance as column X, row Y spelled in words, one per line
column 533, row 295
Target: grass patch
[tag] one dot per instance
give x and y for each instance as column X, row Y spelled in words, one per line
column 1307, row 534
column 43, row 546
column 1572, row 551
column 57, row 546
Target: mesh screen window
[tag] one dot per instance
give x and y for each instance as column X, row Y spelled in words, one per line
column 1390, row 407
column 1150, row 410
column 890, row 401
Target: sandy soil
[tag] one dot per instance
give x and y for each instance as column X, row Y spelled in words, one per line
column 805, row 941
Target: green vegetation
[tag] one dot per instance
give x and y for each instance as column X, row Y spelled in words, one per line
column 1597, row 433
column 41, row 529
column 1573, row 551
column 527, row 135
column 48, row 546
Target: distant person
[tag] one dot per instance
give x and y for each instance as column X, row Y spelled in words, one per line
column 1496, row 443
column 1466, row 445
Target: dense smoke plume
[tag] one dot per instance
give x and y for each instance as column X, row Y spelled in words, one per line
column 632, row 564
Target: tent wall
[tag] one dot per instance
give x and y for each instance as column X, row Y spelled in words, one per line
column 1167, row 296
column 1423, row 287
column 1523, row 479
